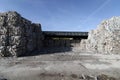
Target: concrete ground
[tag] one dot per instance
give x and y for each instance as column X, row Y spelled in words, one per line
column 61, row 66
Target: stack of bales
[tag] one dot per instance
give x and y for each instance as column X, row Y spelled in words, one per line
column 18, row 36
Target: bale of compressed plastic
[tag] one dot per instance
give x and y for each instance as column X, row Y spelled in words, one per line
column 18, row 36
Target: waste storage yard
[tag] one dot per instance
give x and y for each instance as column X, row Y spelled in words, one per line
column 28, row 53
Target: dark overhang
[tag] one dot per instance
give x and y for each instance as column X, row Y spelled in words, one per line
column 67, row 34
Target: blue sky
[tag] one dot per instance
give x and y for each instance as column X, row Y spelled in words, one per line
column 64, row 15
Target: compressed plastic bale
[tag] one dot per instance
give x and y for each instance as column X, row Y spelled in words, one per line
column 18, row 40
column 31, row 43
column 17, row 31
column 17, row 51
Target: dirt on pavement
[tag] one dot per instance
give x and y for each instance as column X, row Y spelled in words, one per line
column 62, row 66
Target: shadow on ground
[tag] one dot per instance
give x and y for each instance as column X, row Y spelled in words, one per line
column 49, row 50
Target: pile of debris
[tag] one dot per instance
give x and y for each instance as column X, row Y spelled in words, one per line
column 18, row 35
column 105, row 39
